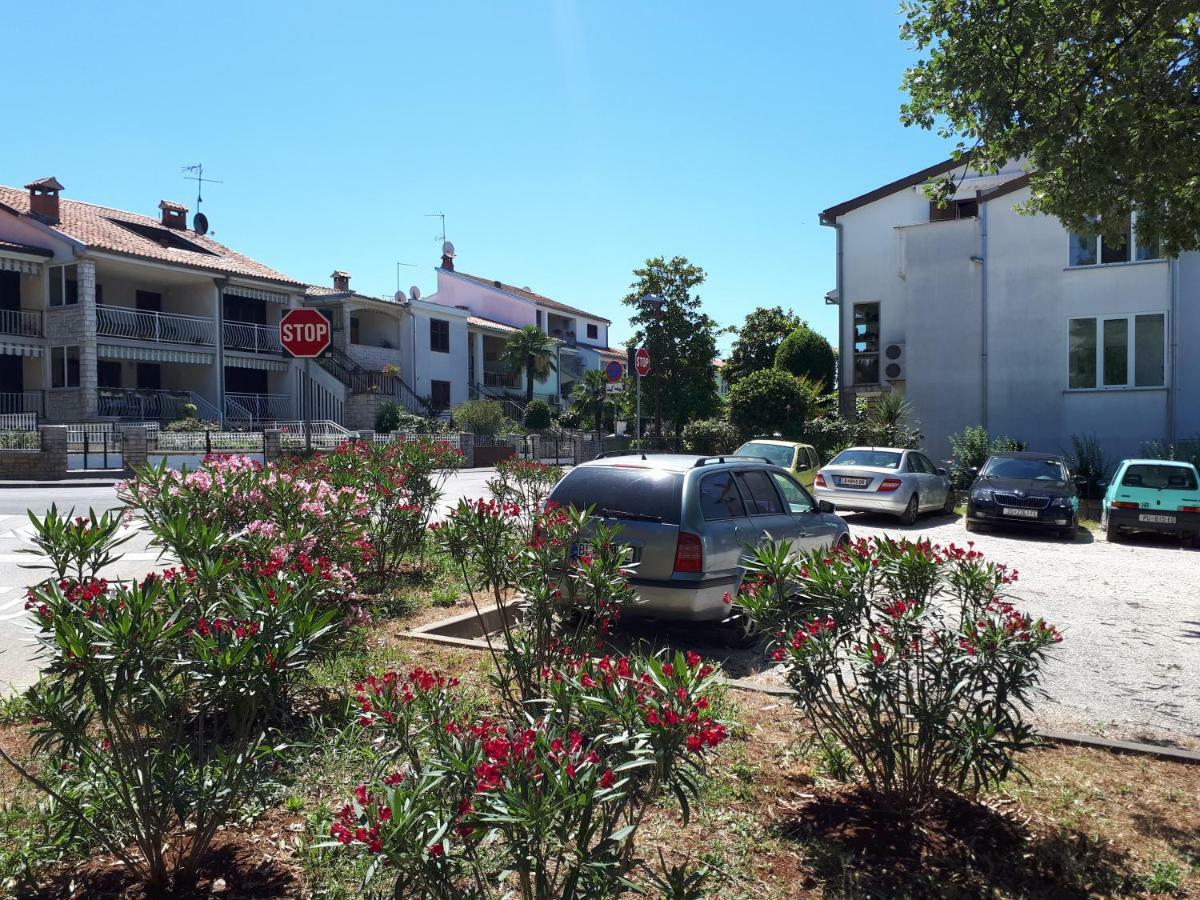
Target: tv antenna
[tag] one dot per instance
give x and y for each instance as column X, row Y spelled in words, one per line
column 442, row 216
column 398, row 265
column 199, row 178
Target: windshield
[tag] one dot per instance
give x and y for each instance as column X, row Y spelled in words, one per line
column 622, row 492
column 1024, row 469
column 881, row 459
column 1173, row 478
column 772, row 453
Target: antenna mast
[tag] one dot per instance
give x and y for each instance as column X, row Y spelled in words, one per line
column 441, row 216
column 199, row 178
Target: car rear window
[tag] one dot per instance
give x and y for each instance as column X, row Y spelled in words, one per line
column 882, row 459
column 719, row 497
column 775, row 454
column 622, row 492
column 1172, row 478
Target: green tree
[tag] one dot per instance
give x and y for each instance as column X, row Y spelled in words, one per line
column 806, row 354
column 589, row 396
column 771, row 401
column 681, row 340
column 537, row 415
column 1102, row 97
column 484, row 417
column 758, row 340
column 532, row 352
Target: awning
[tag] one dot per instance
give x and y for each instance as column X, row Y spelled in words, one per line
column 264, row 364
column 16, row 348
column 255, row 294
column 24, row 266
column 155, row 354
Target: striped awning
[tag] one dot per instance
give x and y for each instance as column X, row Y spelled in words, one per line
column 16, row 348
column 265, row 364
column 255, row 294
column 155, row 354
column 14, row 264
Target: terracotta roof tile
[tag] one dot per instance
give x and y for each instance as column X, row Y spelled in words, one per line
column 533, row 297
column 481, row 322
column 98, row 227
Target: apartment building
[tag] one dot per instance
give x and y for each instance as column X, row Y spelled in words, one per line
column 980, row 314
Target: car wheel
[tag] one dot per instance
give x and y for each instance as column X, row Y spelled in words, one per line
column 1068, row 533
column 909, row 516
column 972, row 527
column 951, row 500
column 733, row 632
column 1111, row 530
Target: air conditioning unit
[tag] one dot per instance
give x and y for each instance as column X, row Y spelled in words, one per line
column 893, row 362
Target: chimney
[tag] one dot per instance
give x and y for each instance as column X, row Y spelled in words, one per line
column 43, row 199
column 341, row 281
column 174, row 215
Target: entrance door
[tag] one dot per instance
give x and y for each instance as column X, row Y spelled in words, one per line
column 10, row 290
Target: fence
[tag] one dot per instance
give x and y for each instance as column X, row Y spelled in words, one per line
column 93, row 448
column 25, row 421
column 20, row 439
column 207, row 442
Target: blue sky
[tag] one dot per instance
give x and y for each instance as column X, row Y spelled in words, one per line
column 565, row 141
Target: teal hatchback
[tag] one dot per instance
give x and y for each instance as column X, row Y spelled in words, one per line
column 1153, row 495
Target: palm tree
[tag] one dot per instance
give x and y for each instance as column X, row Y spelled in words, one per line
column 589, row 394
column 532, row 352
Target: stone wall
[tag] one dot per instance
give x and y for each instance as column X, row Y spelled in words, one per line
column 133, row 447
column 47, row 464
column 361, row 410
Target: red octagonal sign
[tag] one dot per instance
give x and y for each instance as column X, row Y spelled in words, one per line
column 641, row 361
column 304, row 333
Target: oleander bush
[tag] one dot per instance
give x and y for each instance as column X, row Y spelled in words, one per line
column 526, row 483
column 908, row 654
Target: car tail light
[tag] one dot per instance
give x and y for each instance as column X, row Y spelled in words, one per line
column 1122, row 504
column 820, row 482
column 1189, row 509
column 689, row 553
column 888, row 485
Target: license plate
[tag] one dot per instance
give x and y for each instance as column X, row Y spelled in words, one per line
column 854, row 482
column 1157, row 519
column 1020, row 513
column 583, row 548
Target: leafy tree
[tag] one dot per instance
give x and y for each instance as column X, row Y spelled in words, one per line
column 710, row 436
column 771, row 401
column 758, row 341
column 681, row 340
column 589, row 396
column 532, row 352
column 484, row 417
column 1101, row 97
column 537, row 415
column 808, row 355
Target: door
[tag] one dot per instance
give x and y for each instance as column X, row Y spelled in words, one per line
column 148, row 301
column 933, row 486
column 726, row 527
column 815, row 531
column 802, row 467
column 10, row 291
column 767, row 515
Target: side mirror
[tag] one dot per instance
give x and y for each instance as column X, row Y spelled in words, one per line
column 801, row 467
column 942, row 472
column 825, row 506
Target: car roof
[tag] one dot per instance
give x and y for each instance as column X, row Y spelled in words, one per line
column 776, row 442
column 1182, row 463
column 671, row 462
column 1027, row 454
column 881, row 449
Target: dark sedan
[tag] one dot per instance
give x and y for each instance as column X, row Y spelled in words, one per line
column 1024, row 489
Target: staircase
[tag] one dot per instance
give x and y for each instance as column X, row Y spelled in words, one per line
column 513, row 407
column 363, row 381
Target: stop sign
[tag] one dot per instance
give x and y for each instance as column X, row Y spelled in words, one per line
column 304, row 333
column 641, row 361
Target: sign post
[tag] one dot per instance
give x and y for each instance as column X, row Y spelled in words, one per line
column 305, row 334
column 641, row 364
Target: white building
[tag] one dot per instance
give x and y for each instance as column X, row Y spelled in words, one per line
column 982, row 315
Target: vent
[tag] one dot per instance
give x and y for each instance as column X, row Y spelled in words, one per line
column 893, row 362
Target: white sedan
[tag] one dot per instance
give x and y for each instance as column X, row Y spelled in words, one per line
column 902, row 483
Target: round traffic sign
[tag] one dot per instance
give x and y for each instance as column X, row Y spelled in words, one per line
column 614, row 371
column 641, row 361
column 304, row 333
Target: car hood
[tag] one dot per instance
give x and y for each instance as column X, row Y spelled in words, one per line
column 1026, row 486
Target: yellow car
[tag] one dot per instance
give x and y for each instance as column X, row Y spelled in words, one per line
column 799, row 459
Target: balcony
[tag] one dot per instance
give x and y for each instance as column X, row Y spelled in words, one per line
column 251, row 408
column 19, row 402
column 146, row 405
column 161, row 328
column 252, row 337
column 502, row 378
column 21, row 322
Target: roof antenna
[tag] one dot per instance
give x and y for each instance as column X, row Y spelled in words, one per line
column 398, row 265
column 200, row 221
column 442, row 216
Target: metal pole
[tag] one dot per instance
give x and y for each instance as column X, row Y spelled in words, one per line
column 638, row 426
column 307, row 405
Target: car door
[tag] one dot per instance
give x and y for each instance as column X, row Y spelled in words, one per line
column 814, row 530
column 768, row 516
column 726, row 527
column 933, row 485
column 914, row 469
column 803, row 468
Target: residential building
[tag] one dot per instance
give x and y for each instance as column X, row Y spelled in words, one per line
column 980, row 314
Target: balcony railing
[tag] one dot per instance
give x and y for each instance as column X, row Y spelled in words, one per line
column 17, row 402
column 143, row 404
column 249, row 336
column 251, row 408
column 502, row 378
column 147, row 325
column 22, row 322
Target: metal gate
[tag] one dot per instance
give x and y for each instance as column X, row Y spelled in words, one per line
column 93, row 447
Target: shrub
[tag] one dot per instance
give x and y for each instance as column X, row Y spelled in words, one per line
column 888, row 422
column 907, row 654
column 483, row 417
column 830, row 434
column 393, row 417
column 526, row 483
column 190, row 424
column 770, row 401
column 1183, row 451
column 710, row 436
column 971, row 448
column 1087, row 461
column 387, row 419
column 537, row 415
column 806, row 354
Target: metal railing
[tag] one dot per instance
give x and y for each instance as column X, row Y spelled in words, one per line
column 326, row 435
column 89, row 447
column 22, row 322
column 17, row 402
column 363, row 381
column 249, row 336
column 502, row 378
column 258, row 407
column 207, row 441
column 151, row 405
column 20, row 439
column 147, row 325
column 18, row 422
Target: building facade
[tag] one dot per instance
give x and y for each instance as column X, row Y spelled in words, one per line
column 980, row 314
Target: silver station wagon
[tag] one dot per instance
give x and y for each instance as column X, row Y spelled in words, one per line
column 688, row 520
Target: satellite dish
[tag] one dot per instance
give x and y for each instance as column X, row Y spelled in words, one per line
column 399, row 296
column 447, row 249
column 200, row 223
column 414, row 293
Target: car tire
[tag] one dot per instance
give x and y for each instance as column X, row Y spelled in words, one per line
column 1112, row 531
column 1068, row 533
column 972, row 527
column 909, row 516
column 733, row 633
column 951, row 502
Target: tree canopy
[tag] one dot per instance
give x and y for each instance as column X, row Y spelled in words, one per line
column 808, row 355
column 532, row 352
column 1100, row 97
column 758, row 340
column 770, row 401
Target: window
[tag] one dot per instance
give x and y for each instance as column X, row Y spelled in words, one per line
column 1117, row 352
column 623, row 492
column 866, row 343
column 439, row 394
column 760, row 495
column 955, row 209
column 149, row 376
column 919, row 462
column 881, row 459
column 775, row 454
column 64, row 288
column 593, row 332
column 108, row 374
column 64, row 367
column 439, row 336
column 793, row 495
column 719, row 497
column 1089, row 249
column 1160, row 477
column 354, row 329
column 1025, row 468
column 148, row 301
